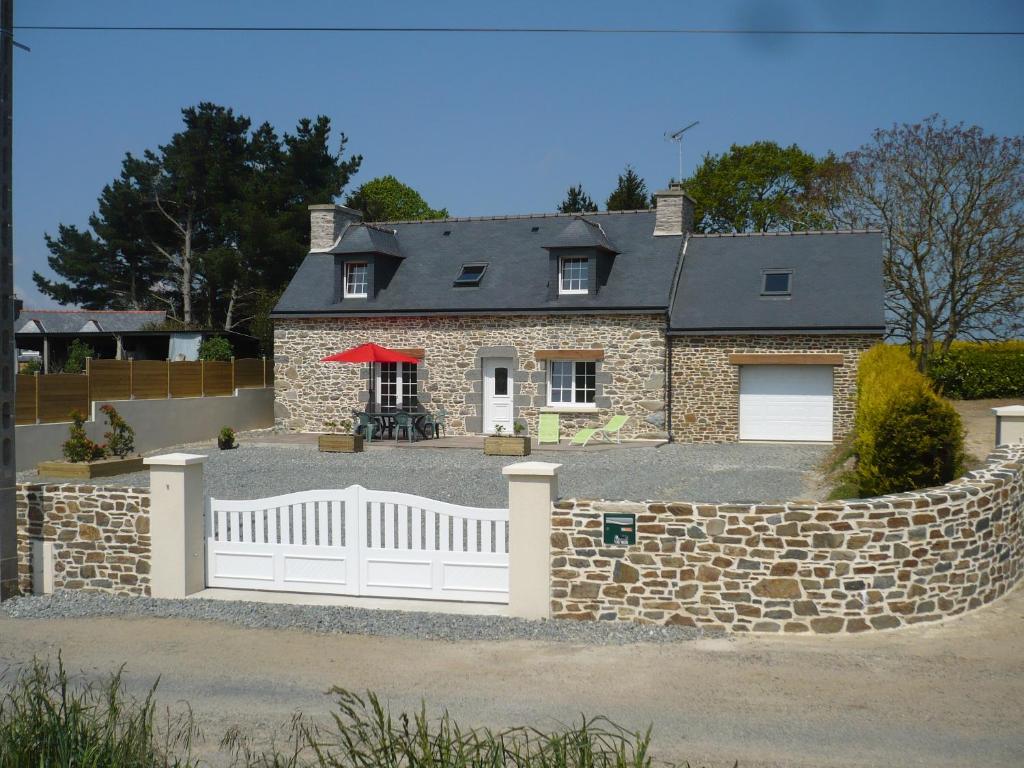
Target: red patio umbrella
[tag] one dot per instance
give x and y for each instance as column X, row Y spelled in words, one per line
column 370, row 353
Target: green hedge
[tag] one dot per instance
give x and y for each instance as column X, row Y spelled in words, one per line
column 905, row 436
column 972, row 371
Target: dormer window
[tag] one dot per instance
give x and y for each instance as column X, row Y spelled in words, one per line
column 356, row 280
column 776, row 282
column 573, row 275
column 470, row 275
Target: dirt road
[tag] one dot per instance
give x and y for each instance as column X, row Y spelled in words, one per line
column 950, row 694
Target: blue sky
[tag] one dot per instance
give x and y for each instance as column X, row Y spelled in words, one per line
column 488, row 124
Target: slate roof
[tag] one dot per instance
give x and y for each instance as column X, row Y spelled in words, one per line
column 367, row 238
column 72, row 321
column 581, row 233
column 517, row 275
column 836, row 283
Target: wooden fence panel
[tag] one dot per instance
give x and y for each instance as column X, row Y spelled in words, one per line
column 186, row 379
column 62, row 393
column 25, row 399
column 111, row 379
column 249, row 372
column 217, row 378
column 149, row 379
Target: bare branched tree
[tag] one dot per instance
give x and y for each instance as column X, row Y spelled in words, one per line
column 950, row 200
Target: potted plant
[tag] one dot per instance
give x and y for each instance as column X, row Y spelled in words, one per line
column 85, row 458
column 226, row 439
column 342, row 441
column 500, row 444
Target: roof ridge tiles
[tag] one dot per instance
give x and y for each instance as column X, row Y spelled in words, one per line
column 100, row 311
column 510, row 216
column 851, row 231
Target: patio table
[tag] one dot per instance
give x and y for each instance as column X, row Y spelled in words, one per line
column 386, row 420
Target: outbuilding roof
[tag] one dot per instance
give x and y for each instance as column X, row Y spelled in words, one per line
column 835, row 283
column 518, row 271
column 85, row 321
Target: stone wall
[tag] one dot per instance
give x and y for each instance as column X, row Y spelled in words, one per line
column 845, row 566
column 100, row 534
column 705, row 397
column 630, row 378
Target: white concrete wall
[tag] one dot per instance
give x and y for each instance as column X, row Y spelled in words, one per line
column 157, row 423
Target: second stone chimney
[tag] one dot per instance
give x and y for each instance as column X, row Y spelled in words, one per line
column 674, row 212
column 327, row 222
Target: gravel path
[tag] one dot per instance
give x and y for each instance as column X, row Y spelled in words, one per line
column 734, row 472
column 344, row 620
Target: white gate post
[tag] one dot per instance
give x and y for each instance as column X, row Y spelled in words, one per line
column 176, row 530
column 532, row 488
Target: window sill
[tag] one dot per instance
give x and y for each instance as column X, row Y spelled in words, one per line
column 582, row 408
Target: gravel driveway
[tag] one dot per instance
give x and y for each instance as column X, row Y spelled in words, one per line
column 736, row 472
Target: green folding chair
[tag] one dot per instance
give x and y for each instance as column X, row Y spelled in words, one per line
column 548, row 432
column 603, row 434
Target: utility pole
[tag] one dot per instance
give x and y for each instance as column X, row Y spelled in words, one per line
column 8, row 365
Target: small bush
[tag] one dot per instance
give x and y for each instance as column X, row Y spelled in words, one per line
column 32, row 367
column 120, row 437
column 973, row 371
column 906, row 437
column 226, row 438
column 77, row 353
column 215, row 348
column 47, row 720
column 78, row 446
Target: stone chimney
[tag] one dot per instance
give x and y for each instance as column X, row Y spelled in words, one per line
column 674, row 212
column 327, row 222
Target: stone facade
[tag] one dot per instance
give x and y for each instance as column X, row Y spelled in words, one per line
column 844, row 566
column 630, row 378
column 705, row 386
column 100, row 534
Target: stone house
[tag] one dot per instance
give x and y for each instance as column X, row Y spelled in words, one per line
column 704, row 338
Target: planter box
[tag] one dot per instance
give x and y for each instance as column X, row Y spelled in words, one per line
column 341, row 443
column 89, row 469
column 507, row 446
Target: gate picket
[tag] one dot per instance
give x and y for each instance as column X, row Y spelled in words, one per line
column 355, row 541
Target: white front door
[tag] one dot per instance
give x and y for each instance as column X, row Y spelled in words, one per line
column 497, row 394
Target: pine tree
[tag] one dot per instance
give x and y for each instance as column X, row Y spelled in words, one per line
column 630, row 194
column 208, row 225
column 577, row 201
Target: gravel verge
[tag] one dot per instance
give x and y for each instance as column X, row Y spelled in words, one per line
column 345, row 620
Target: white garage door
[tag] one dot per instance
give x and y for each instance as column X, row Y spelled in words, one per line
column 786, row 402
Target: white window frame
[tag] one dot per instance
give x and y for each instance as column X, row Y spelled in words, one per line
column 349, row 266
column 572, row 402
column 406, row 385
column 562, row 261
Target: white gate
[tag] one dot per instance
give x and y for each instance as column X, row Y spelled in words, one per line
column 356, row 541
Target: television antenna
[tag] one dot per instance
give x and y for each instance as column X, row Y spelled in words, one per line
column 677, row 137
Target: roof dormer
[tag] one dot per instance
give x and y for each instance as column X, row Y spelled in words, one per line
column 366, row 258
column 581, row 258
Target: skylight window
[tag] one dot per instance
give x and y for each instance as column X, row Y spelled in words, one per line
column 471, row 274
column 776, row 282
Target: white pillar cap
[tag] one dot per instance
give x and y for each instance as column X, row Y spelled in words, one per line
column 531, row 469
column 174, row 460
column 1009, row 410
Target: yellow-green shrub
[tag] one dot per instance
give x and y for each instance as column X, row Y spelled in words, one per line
column 905, row 436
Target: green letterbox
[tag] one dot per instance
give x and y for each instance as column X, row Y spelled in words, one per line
column 620, row 530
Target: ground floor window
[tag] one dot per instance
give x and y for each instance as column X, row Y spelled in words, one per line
column 572, row 382
column 397, row 386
